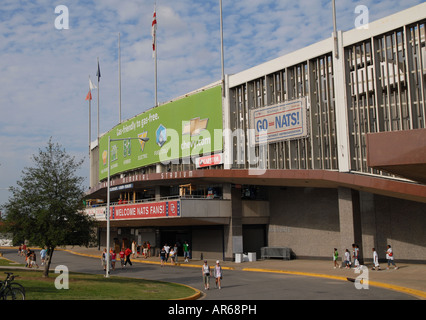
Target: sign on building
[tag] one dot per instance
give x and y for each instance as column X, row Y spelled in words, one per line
column 279, row 122
column 188, row 127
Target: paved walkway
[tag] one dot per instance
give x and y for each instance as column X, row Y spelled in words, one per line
column 409, row 278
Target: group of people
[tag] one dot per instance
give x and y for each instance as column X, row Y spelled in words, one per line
column 145, row 249
column 111, row 258
column 356, row 254
column 167, row 252
column 30, row 256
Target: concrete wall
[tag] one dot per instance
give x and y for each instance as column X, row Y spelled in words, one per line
column 307, row 220
column 193, row 208
column 399, row 223
column 208, row 242
column 304, row 219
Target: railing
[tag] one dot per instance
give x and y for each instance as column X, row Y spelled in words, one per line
column 161, row 199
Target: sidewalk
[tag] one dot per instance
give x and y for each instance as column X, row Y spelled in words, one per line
column 409, row 278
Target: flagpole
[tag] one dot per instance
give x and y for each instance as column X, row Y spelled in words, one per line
column 119, row 78
column 221, row 49
column 90, row 118
column 98, row 75
column 335, row 29
column 156, row 101
column 155, row 53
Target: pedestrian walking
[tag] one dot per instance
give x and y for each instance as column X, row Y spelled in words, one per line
column 347, row 259
column 186, row 251
column 148, row 247
column 28, row 258
column 163, row 256
column 176, row 250
column 104, row 259
column 113, row 259
column 390, row 257
column 206, row 275
column 336, row 258
column 167, row 248
column 218, row 274
column 127, row 253
column 33, row 259
column 122, row 255
column 375, row 260
column 145, row 249
column 133, row 249
column 172, row 256
column 355, row 251
column 43, row 256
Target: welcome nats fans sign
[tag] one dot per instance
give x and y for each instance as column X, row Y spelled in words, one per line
column 132, row 211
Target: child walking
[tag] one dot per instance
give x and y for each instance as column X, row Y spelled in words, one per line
column 375, row 260
column 335, row 258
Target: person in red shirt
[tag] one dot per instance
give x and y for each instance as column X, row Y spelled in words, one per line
column 127, row 254
column 122, row 257
column 113, row 257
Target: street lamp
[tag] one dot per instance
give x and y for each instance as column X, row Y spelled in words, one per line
column 108, row 197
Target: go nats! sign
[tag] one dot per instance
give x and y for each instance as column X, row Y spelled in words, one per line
column 280, row 122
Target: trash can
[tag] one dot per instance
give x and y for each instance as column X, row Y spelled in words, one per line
column 251, row 256
column 238, row 257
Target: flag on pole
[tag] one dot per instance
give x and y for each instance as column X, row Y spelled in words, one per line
column 154, row 31
column 89, row 95
column 91, row 85
column 98, row 73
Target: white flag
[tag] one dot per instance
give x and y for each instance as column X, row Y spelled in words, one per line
column 91, row 85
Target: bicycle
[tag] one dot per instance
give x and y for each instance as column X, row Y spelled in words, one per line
column 10, row 290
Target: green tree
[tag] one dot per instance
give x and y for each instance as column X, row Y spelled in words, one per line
column 46, row 206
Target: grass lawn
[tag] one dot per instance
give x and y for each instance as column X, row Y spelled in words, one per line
column 94, row 287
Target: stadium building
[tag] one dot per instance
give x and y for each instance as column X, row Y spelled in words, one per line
column 315, row 150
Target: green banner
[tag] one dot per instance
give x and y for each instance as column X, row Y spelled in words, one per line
column 184, row 128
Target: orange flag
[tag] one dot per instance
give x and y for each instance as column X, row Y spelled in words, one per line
column 89, row 96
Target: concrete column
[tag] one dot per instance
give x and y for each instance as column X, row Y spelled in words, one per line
column 234, row 231
column 157, row 193
column 350, row 220
column 341, row 101
column 226, row 191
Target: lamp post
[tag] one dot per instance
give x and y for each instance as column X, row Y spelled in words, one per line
column 108, row 197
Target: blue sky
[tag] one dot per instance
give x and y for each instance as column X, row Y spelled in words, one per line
column 44, row 71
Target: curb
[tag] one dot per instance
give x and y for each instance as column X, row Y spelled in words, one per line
column 417, row 293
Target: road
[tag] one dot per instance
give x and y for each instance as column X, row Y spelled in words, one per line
column 237, row 285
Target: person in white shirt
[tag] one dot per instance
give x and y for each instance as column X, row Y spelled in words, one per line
column 167, row 248
column 390, row 258
column 375, row 260
column 347, row 259
column 205, row 270
column 218, row 274
column 172, row 256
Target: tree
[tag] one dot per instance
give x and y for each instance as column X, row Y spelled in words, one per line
column 46, row 206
